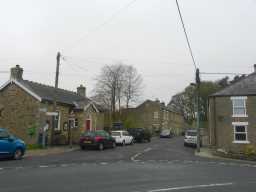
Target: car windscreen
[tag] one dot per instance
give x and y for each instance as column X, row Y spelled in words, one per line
column 114, row 133
column 166, row 131
column 89, row 134
column 191, row 133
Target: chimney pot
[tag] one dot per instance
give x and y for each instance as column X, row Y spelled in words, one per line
column 16, row 73
column 81, row 91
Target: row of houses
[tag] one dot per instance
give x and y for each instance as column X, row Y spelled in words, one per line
column 25, row 107
column 154, row 115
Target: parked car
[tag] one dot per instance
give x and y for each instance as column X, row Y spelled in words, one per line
column 122, row 137
column 140, row 134
column 99, row 139
column 166, row 133
column 190, row 138
column 11, row 146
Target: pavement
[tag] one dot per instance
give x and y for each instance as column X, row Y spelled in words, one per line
column 206, row 152
column 50, row 151
column 162, row 165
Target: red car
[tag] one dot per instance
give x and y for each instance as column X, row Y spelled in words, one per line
column 99, row 139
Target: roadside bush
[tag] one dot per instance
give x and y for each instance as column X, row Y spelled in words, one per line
column 33, row 146
column 250, row 150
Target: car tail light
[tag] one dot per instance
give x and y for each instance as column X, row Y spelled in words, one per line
column 82, row 139
column 98, row 138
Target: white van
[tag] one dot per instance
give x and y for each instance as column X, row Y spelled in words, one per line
column 190, row 138
column 122, row 137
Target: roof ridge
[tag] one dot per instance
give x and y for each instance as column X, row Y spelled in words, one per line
column 45, row 85
column 233, row 84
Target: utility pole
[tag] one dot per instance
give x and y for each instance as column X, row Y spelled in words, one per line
column 55, row 96
column 198, row 109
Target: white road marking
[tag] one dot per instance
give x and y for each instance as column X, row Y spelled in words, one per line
column 133, row 158
column 191, row 187
column 43, row 166
column 148, row 149
column 19, row 167
column 64, row 165
column 1, row 168
column 103, row 163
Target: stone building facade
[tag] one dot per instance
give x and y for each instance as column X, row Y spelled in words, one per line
column 155, row 116
column 232, row 117
column 26, row 106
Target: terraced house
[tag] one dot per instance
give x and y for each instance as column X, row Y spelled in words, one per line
column 26, row 106
column 155, row 116
column 232, row 116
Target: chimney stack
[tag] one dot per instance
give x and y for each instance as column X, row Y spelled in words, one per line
column 81, row 91
column 254, row 66
column 16, row 73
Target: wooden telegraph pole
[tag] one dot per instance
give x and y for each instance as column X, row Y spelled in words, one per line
column 55, row 96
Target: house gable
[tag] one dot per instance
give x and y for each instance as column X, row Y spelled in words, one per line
column 91, row 106
column 28, row 91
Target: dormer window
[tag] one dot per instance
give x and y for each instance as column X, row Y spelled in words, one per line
column 239, row 106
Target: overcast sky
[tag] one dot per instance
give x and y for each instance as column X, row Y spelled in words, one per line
column 146, row 34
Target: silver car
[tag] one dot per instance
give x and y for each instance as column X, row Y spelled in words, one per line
column 190, row 138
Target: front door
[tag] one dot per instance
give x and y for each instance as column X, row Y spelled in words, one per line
column 88, row 125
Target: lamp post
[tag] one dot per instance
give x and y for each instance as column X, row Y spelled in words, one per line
column 198, row 110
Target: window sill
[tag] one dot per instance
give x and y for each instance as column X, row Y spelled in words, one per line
column 241, row 142
column 239, row 115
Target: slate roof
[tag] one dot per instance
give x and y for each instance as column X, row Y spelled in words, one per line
column 47, row 93
column 244, row 87
column 162, row 106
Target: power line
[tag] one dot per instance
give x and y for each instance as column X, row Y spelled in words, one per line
column 184, row 29
column 4, row 72
column 206, row 73
column 74, row 64
column 108, row 20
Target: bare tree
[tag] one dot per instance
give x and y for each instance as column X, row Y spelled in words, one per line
column 118, row 84
column 108, row 85
column 132, row 85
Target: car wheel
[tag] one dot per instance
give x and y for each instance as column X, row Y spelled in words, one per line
column 132, row 142
column 101, row 146
column 82, row 147
column 123, row 143
column 18, row 154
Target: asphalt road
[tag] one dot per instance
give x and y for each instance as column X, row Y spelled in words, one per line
column 162, row 165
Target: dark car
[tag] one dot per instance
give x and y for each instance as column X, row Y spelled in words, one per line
column 99, row 139
column 11, row 146
column 166, row 133
column 140, row 134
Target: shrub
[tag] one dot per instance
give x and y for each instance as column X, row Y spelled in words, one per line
column 250, row 150
column 33, row 146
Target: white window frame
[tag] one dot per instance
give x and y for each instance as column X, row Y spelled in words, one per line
column 245, row 124
column 244, row 98
column 76, row 120
column 156, row 115
column 57, row 128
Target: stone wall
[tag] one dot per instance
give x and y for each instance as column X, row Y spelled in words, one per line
column 221, row 131
column 20, row 113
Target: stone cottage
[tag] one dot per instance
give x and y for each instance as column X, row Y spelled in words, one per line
column 232, row 116
column 25, row 107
